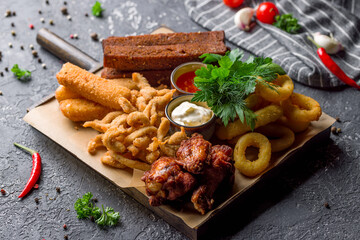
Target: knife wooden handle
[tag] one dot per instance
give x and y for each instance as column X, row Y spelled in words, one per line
column 66, row 51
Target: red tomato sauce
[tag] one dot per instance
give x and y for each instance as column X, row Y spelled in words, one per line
column 186, row 82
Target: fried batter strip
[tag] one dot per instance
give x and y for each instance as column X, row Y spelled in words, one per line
column 107, row 159
column 103, row 124
column 95, row 143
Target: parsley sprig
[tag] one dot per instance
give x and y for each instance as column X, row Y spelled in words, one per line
column 225, row 86
column 21, row 74
column 85, row 208
column 287, row 23
column 97, row 9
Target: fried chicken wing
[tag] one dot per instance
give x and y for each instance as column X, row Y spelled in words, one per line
column 193, row 153
column 220, row 171
column 166, row 181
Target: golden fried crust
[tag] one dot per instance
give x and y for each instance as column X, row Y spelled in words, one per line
column 93, row 87
column 82, row 110
column 63, row 93
column 265, row 116
column 125, row 82
column 107, row 159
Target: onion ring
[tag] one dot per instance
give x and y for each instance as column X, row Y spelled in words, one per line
column 256, row 102
column 265, row 116
column 245, row 166
column 295, row 126
column 301, row 108
column 283, row 85
column 284, row 136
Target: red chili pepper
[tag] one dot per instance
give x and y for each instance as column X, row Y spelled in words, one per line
column 35, row 172
column 333, row 67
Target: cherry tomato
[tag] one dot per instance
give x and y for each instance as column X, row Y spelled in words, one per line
column 266, row 12
column 233, row 3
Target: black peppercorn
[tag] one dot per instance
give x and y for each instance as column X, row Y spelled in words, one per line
column 58, row 190
column 333, row 130
column 34, row 53
column 94, row 36
column 8, row 13
column 64, row 10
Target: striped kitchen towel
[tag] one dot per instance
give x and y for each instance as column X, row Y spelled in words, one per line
column 294, row 52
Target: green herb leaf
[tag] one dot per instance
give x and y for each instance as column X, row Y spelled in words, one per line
column 97, row 9
column 210, row 57
column 225, row 87
column 108, row 217
column 21, row 74
column 235, row 54
column 85, row 209
column 274, row 68
column 287, row 23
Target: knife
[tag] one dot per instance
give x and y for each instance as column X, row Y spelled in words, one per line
column 66, row 52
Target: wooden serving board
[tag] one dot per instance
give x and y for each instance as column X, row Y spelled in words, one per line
column 47, row 118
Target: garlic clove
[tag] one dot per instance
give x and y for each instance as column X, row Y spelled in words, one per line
column 243, row 18
column 330, row 44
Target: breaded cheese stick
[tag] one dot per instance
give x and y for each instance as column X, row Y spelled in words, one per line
column 79, row 110
column 63, row 93
column 125, row 82
column 93, row 87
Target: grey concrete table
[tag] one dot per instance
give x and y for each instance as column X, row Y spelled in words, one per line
column 288, row 206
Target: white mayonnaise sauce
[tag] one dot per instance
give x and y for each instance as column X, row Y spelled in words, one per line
column 190, row 114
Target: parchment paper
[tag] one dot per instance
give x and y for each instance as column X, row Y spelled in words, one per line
column 48, row 119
